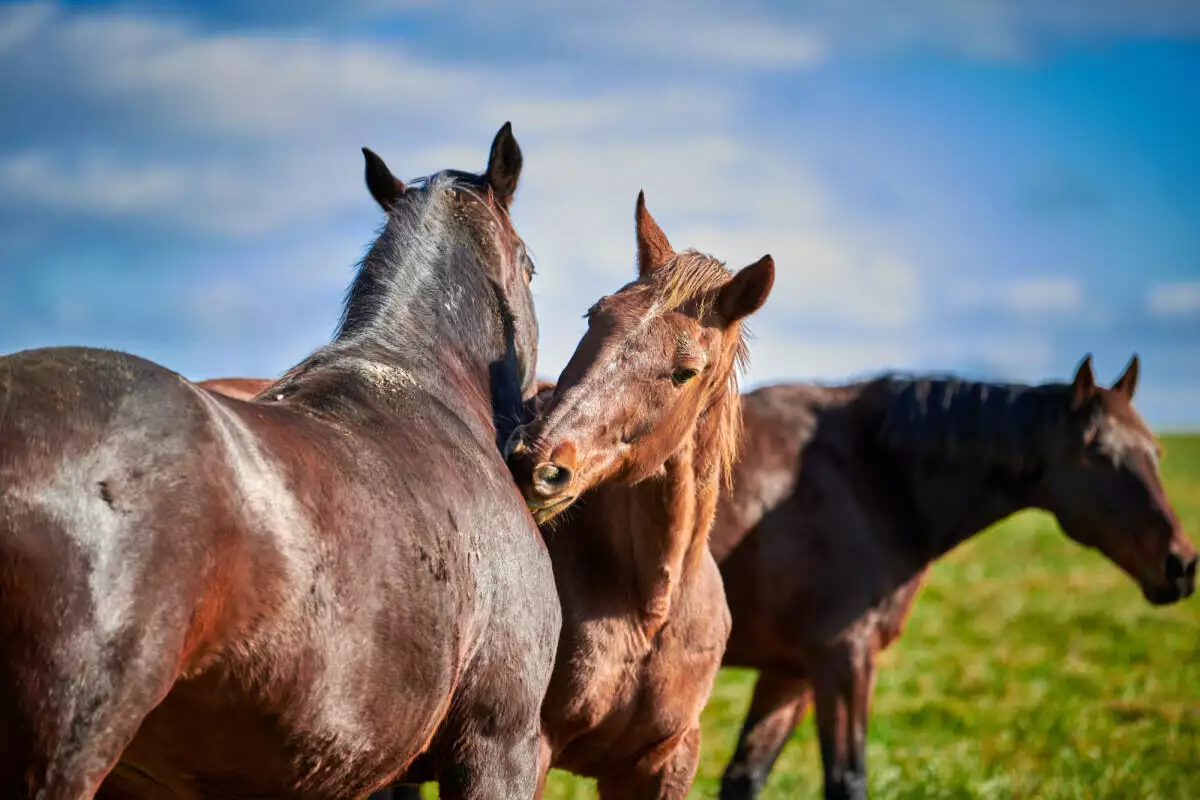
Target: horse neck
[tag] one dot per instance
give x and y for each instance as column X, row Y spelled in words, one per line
column 954, row 503
column 440, row 325
column 675, row 512
column 972, row 457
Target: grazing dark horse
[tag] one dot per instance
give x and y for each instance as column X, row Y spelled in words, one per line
column 302, row 595
column 845, row 495
column 641, row 430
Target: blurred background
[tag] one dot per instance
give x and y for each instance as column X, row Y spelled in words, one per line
column 994, row 188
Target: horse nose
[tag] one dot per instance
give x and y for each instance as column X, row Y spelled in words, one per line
column 550, row 479
column 1182, row 572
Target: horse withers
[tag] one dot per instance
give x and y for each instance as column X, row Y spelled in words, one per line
column 301, row 595
column 845, row 495
column 639, row 433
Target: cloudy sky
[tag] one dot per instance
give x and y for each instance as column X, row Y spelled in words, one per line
column 993, row 188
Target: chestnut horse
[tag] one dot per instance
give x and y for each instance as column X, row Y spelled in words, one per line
column 301, row 595
column 641, row 429
column 845, row 495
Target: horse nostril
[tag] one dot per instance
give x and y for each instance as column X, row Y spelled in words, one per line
column 549, row 478
column 1176, row 569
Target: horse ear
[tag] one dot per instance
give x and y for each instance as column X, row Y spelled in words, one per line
column 653, row 248
column 385, row 187
column 1084, row 385
column 504, row 165
column 748, row 290
column 1127, row 383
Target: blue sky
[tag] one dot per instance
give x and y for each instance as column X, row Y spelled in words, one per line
column 993, row 188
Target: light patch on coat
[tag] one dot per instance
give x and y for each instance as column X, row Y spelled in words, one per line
column 386, row 378
column 310, row 623
column 1118, row 441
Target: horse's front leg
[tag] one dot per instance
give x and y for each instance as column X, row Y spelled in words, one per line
column 666, row 773
column 780, row 700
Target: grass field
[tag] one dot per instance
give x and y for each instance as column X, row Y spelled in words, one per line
column 1030, row 668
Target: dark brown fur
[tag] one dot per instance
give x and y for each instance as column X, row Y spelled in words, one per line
column 843, row 497
column 308, row 595
column 640, row 429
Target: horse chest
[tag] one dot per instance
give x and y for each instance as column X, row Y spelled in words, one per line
column 623, row 691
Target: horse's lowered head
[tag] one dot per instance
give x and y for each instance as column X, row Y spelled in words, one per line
column 657, row 369
column 1103, row 485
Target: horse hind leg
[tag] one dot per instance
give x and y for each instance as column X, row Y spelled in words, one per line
column 491, row 768
column 779, row 703
column 493, row 749
column 71, row 695
column 66, row 728
column 843, row 680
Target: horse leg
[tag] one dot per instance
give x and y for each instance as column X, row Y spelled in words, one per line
column 843, row 680
column 73, row 696
column 665, row 773
column 545, row 758
column 777, row 707
column 491, row 769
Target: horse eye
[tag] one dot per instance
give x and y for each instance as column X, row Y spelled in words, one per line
column 682, row 375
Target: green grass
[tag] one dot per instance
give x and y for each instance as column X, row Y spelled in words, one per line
column 1030, row 667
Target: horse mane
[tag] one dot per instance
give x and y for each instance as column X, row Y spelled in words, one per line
column 948, row 419
column 692, row 276
column 411, row 242
column 386, row 308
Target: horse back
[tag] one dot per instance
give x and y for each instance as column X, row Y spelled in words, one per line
column 804, row 541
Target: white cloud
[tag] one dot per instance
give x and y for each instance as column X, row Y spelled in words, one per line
column 235, row 83
column 1016, row 357
column 243, row 135
column 217, row 198
column 794, row 36
column 19, row 22
column 1174, row 300
column 267, row 121
column 776, row 355
column 1025, row 297
column 694, row 36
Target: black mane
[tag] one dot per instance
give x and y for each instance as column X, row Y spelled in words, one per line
column 406, row 269
column 948, row 419
column 415, row 295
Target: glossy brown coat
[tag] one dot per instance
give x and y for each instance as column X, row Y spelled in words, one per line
column 844, row 496
column 306, row 596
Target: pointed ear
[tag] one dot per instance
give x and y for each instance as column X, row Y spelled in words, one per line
column 504, row 165
column 748, row 290
column 1127, row 383
column 653, row 248
column 1084, row 385
column 385, row 187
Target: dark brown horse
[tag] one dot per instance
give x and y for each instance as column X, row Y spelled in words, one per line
column 641, row 430
column 844, row 496
column 302, row 595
